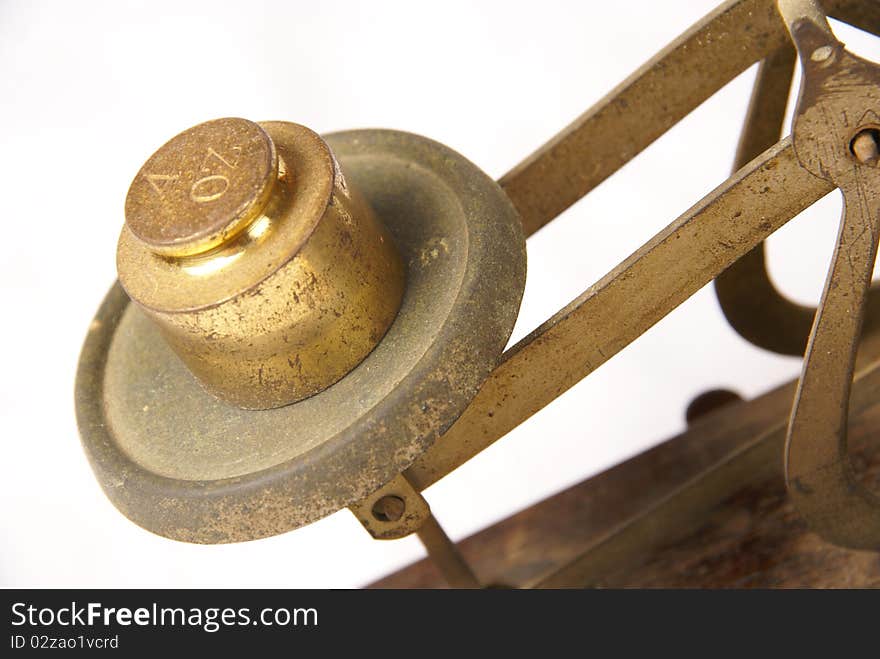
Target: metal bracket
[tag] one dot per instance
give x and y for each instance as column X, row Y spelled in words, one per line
column 396, row 510
column 393, row 511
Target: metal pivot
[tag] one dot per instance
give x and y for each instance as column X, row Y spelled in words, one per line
column 398, row 509
column 836, row 138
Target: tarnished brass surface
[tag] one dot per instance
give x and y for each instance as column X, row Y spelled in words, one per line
column 393, row 511
column 203, row 187
column 749, row 299
column 689, row 253
column 837, row 138
column 726, row 225
column 627, row 301
column 652, row 100
column 268, row 274
column 183, row 464
column 397, row 509
column 747, row 296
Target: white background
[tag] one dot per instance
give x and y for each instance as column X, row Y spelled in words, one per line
column 89, row 90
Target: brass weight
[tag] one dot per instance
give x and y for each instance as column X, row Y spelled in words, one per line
column 267, row 273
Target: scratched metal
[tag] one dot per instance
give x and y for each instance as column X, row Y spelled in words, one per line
column 183, row 464
column 836, row 138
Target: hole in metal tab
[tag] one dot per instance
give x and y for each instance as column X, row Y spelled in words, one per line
column 389, row 509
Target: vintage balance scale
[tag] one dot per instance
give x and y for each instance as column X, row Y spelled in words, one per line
column 304, row 324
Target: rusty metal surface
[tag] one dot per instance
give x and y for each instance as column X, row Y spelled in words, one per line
column 836, row 138
column 183, row 464
column 298, row 280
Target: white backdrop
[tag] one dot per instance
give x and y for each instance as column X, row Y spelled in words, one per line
column 89, row 90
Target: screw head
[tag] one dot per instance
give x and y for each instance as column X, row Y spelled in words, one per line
column 389, row 508
column 822, row 54
column 865, row 146
column 202, row 188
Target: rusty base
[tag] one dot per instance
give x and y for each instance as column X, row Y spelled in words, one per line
column 752, row 538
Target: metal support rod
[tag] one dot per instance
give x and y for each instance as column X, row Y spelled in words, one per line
column 445, row 555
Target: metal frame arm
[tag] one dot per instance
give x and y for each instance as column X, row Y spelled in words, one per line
column 750, row 302
column 625, row 303
column 652, row 100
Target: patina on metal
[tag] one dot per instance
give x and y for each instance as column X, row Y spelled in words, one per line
column 626, row 302
column 393, row 511
column 184, row 464
column 266, row 271
column 749, row 299
column 203, row 187
column 726, row 225
column 653, row 99
column 836, row 139
column 759, row 198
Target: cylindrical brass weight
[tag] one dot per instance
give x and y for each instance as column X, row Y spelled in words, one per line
column 266, row 272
